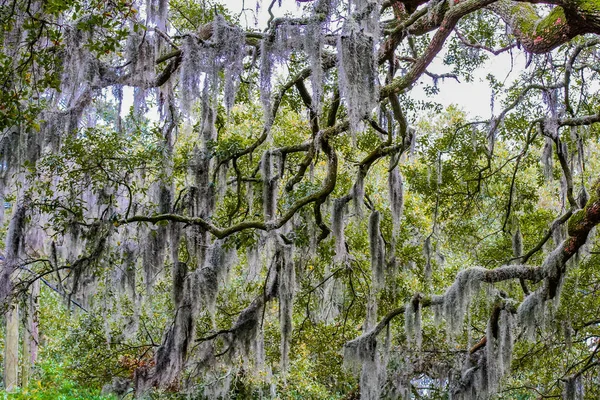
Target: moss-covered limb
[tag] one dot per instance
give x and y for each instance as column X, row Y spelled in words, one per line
column 464, row 40
column 197, row 221
column 204, row 33
column 326, row 189
column 398, row 116
column 540, row 35
column 314, row 123
column 500, row 274
column 245, row 317
column 413, row 24
column 530, row 137
column 381, row 325
column 569, row 70
column 547, row 235
column 580, row 121
column 479, row 345
column 328, row 63
column 166, row 74
column 325, row 231
column 554, row 266
column 451, row 17
column 328, row 186
column 329, row 182
column 562, row 158
column 334, row 107
column 582, row 222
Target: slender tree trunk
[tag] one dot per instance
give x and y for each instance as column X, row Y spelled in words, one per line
column 34, row 330
column 25, row 364
column 31, row 336
column 11, row 349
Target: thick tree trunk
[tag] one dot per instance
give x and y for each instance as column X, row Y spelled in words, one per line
column 541, row 34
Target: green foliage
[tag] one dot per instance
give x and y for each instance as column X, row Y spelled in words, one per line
column 115, row 206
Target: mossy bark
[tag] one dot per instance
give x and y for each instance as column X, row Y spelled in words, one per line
column 542, row 34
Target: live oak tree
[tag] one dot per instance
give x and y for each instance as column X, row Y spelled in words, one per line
column 292, row 166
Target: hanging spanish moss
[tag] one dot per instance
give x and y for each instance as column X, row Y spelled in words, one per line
column 270, row 181
column 246, row 331
column 438, row 309
column 199, row 289
column 275, row 48
column 357, row 73
column 82, row 280
column 412, row 323
column 491, row 137
column 370, row 385
column 458, row 298
column 200, row 202
column 471, row 382
column 155, row 247
column 154, row 255
column 180, row 271
column 377, row 247
column 427, row 252
column 412, row 148
column 129, row 254
column 517, row 243
column 576, row 137
column 250, row 195
column 547, row 159
column 337, row 228
column 363, row 353
column 332, row 298
column 190, row 80
column 531, row 313
column 396, row 194
column 358, row 193
column 568, row 332
column 254, row 263
column 371, row 314
column 286, row 290
column 204, row 62
column 366, row 14
column 79, row 65
column 228, row 49
column 14, row 247
column 499, row 345
column 361, row 349
column 440, row 169
column 313, row 45
column 222, row 182
column 266, row 66
column 210, row 278
column 583, row 197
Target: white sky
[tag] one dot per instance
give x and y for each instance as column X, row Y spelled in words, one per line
column 473, row 97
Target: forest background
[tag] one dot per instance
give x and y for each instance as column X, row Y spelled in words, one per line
column 196, row 207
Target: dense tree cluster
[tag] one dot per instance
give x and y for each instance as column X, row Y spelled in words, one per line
column 231, row 208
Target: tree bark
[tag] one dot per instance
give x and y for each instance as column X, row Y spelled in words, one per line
column 542, row 34
column 31, row 334
column 11, row 349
